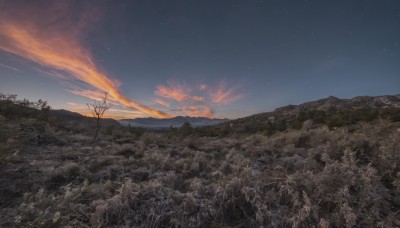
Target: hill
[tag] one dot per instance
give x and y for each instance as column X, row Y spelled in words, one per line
column 328, row 163
column 74, row 116
column 331, row 111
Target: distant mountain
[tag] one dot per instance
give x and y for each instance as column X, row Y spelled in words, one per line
column 65, row 114
column 74, row 116
column 281, row 118
column 155, row 123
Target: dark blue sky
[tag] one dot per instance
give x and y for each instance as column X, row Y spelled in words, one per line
column 227, row 58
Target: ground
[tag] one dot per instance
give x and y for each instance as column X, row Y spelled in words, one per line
column 347, row 176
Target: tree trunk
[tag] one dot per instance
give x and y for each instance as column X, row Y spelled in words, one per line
column 97, row 128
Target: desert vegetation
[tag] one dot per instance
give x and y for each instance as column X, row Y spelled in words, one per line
column 331, row 168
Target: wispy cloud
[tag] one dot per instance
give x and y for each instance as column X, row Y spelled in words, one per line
column 223, row 95
column 9, row 67
column 51, row 74
column 198, row 99
column 94, row 95
column 203, row 86
column 115, row 113
column 58, row 47
column 176, row 91
column 162, row 103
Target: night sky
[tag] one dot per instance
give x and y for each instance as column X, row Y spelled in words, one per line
column 198, row 58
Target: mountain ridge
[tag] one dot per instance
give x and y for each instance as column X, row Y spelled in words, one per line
column 151, row 122
column 331, row 111
column 327, row 104
column 74, row 116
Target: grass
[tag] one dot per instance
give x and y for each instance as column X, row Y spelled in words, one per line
column 318, row 176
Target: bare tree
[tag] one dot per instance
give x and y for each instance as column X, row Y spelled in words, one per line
column 98, row 108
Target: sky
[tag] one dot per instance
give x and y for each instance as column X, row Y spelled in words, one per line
column 217, row 59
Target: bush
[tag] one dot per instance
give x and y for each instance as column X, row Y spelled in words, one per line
column 185, row 130
column 308, row 177
column 392, row 114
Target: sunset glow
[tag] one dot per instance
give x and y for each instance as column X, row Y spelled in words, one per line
column 197, row 111
column 63, row 52
column 222, row 95
column 177, row 93
column 171, row 59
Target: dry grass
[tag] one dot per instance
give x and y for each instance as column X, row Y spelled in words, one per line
column 299, row 178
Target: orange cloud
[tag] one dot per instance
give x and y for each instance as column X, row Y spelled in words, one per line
column 176, row 92
column 113, row 113
column 162, row 103
column 191, row 105
column 61, row 50
column 197, row 111
column 223, row 95
column 94, row 95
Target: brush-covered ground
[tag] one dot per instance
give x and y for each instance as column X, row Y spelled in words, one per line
column 348, row 176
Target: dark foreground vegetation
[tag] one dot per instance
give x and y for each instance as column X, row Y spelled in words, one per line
column 296, row 167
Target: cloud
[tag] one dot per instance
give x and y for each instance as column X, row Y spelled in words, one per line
column 197, row 100
column 51, row 74
column 114, row 113
column 54, row 42
column 197, row 111
column 223, row 95
column 94, row 95
column 162, row 103
column 9, row 67
column 176, row 92
column 203, row 86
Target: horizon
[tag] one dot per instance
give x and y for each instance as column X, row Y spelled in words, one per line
column 87, row 113
column 284, row 105
column 229, row 59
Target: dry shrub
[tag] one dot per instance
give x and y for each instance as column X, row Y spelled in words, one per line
column 130, row 150
column 233, row 206
column 100, row 163
column 65, row 173
column 148, row 206
column 80, row 138
column 152, row 138
column 301, row 178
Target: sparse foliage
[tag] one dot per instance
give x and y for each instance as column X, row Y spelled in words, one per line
column 98, row 108
column 12, row 108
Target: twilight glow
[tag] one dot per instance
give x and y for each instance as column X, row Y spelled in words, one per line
column 203, row 58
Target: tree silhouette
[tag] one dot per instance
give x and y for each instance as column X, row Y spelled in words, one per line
column 98, row 108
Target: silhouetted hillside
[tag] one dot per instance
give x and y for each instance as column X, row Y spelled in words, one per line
column 73, row 116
